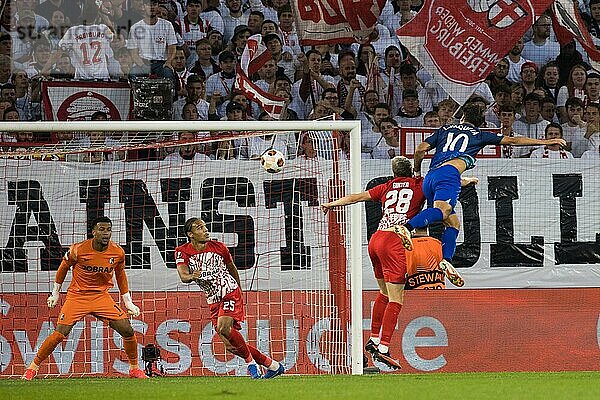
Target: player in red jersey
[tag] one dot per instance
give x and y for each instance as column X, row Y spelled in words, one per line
column 93, row 261
column 209, row 263
column 401, row 198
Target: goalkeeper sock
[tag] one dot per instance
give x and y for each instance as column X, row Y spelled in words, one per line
column 259, row 357
column 130, row 345
column 377, row 316
column 47, row 347
column 390, row 318
column 426, row 217
column 449, row 242
column 241, row 348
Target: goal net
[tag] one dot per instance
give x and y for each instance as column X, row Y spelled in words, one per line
column 149, row 177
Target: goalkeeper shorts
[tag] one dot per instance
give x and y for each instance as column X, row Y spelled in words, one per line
column 99, row 304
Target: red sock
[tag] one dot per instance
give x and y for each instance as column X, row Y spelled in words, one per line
column 259, row 357
column 241, row 348
column 130, row 346
column 378, row 310
column 48, row 347
column 390, row 318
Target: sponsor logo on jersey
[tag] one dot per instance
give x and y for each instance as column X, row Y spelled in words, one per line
column 95, row 268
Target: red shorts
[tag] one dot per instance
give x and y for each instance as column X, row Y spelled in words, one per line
column 99, row 304
column 388, row 257
column 232, row 305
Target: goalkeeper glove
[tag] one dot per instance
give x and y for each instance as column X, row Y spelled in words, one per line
column 131, row 308
column 53, row 298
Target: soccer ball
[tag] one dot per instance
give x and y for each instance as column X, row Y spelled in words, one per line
column 272, row 161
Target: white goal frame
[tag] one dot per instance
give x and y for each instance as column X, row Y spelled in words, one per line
column 352, row 126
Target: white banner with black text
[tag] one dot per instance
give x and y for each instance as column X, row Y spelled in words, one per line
column 529, row 223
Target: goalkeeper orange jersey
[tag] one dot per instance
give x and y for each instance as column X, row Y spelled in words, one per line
column 93, row 270
column 423, row 264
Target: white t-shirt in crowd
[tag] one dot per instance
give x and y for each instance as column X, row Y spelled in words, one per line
column 152, row 40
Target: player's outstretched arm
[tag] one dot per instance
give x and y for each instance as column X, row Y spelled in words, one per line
column 422, row 148
column 346, row 200
column 525, row 141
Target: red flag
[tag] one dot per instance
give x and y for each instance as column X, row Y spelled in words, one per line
column 460, row 41
column 335, row 21
column 568, row 25
column 255, row 55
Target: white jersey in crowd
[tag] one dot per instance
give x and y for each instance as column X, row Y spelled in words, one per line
column 89, row 48
column 152, row 40
column 544, row 152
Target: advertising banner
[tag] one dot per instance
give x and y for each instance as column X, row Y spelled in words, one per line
column 528, row 224
column 438, row 331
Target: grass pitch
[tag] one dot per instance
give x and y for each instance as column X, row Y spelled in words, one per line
column 524, row 385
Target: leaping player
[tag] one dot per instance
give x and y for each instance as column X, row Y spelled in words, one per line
column 456, row 147
column 93, row 261
column 401, row 198
column 209, row 263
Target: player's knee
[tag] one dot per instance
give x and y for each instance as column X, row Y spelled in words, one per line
column 127, row 332
column 452, row 222
column 230, row 348
column 223, row 330
column 446, row 209
column 64, row 329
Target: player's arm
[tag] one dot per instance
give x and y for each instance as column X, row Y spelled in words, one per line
column 525, row 141
column 123, row 285
column 346, row 200
column 171, row 50
column 422, row 148
column 467, row 180
column 185, row 274
column 67, row 262
column 234, row 272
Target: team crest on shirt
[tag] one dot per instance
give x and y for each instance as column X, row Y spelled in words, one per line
column 62, row 317
column 111, row 261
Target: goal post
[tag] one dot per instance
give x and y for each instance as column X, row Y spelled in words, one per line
column 348, row 348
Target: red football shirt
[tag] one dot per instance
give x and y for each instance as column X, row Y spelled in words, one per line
column 215, row 280
column 401, row 199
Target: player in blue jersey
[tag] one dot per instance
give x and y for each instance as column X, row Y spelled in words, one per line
column 455, row 148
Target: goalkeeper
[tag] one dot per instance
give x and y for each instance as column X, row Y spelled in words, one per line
column 93, row 261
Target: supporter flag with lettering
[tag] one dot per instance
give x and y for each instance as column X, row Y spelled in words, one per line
column 460, row 41
column 255, row 55
column 335, row 21
column 568, row 25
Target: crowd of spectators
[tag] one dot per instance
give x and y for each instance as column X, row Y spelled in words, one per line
column 195, row 45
